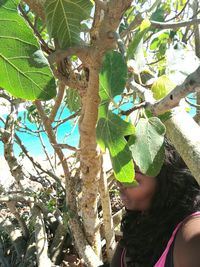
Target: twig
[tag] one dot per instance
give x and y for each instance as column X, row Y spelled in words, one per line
column 175, row 25
column 191, row 104
column 134, row 24
column 177, row 15
column 36, row 164
column 59, row 98
column 43, row 44
column 67, row 119
column 129, row 111
column 66, row 146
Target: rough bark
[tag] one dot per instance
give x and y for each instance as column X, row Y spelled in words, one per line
column 8, row 140
column 84, row 249
column 90, row 161
column 103, row 38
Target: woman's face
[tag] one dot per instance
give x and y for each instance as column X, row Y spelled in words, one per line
column 138, row 197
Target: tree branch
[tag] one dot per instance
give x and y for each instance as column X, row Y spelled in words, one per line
column 82, row 245
column 191, row 84
column 42, row 42
column 59, row 98
column 175, row 25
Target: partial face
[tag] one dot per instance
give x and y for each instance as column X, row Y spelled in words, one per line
column 138, row 197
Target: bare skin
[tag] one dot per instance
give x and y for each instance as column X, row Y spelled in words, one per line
column 187, row 244
column 138, row 197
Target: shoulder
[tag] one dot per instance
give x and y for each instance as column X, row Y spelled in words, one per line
column 187, row 244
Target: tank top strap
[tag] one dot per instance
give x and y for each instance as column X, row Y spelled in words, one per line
column 162, row 259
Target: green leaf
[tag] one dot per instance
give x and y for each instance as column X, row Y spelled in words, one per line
column 113, row 75
column 64, row 18
column 158, row 15
column 144, row 28
column 111, row 130
column 147, row 145
column 72, row 100
column 162, row 86
column 24, row 69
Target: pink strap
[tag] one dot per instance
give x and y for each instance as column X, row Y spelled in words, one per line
column 162, row 259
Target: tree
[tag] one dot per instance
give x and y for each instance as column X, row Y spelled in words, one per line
column 92, row 52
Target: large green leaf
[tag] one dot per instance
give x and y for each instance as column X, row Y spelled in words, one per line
column 24, row 71
column 147, row 145
column 111, row 130
column 113, row 76
column 64, row 18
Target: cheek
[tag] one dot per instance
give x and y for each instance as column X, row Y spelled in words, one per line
column 140, row 197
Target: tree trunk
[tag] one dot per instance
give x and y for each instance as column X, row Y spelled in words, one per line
column 90, row 159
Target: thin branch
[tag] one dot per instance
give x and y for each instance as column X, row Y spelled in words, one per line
column 191, row 104
column 43, row 44
column 191, row 84
column 66, row 146
column 58, row 101
column 177, row 15
column 134, row 24
column 67, row 119
column 36, row 164
column 129, row 111
column 175, row 25
column 60, row 55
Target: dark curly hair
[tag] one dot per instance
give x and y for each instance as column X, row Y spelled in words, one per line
column 145, row 234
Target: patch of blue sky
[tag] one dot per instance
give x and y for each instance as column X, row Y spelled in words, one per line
column 33, row 145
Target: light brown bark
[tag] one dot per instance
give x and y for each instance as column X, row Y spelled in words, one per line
column 90, row 161
column 184, row 133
